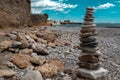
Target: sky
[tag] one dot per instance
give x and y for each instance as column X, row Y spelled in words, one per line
column 106, row 11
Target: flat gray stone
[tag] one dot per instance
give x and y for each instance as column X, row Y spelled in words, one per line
column 88, row 49
column 89, row 44
column 88, row 39
column 14, row 32
column 32, row 75
column 91, row 74
column 16, row 44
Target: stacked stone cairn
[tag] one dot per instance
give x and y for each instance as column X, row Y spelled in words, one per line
column 89, row 59
column 90, row 56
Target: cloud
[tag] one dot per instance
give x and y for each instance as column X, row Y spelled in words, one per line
column 38, row 6
column 62, row 0
column 105, row 6
column 36, row 10
column 67, row 11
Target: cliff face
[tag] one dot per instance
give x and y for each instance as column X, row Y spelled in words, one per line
column 15, row 13
column 39, row 18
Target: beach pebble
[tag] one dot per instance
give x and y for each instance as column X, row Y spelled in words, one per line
column 16, row 44
column 32, row 75
column 39, row 60
column 26, row 51
column 7, row 73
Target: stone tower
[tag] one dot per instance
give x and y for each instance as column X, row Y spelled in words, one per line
column 89, row 59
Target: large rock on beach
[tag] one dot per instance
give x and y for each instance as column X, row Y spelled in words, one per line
column 48, row 69
column 47, row 35
column 39, row 60
column 9, row 64
column 33, row 36
column 50, row 37
column 39, row 34
column 50, row 44
column 28, row 42
column 61, row 42
column 5, row 45
column 7, row 73
column 57, row 62
column 38, row 49
column 40, row 40
column 21, row 38
column 26, row 51
column 12, row 36
column 51, row 67
column 21, row 60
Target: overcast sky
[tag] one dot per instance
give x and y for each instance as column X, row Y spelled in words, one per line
column 107, row 11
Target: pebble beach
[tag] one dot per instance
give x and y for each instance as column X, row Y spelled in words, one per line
column 68, row 52
column 109, row 42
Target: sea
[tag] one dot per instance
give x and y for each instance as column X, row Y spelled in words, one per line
column 105, row 25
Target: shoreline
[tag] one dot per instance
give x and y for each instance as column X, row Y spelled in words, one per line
column 111, row 27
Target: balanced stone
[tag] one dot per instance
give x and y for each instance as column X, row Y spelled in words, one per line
column 88, row 39
column 89, row 19
column 88, row 16
column 91, row 74
column 90, row 58
column 90, row 44
column 87, row 27
column 84, row 35
column 89, row 49
column 89, row 8
column 85, row 30
column 89, row 11
column 97, row 53
column 84, row 26
column 87, row 23
column 89, row 66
